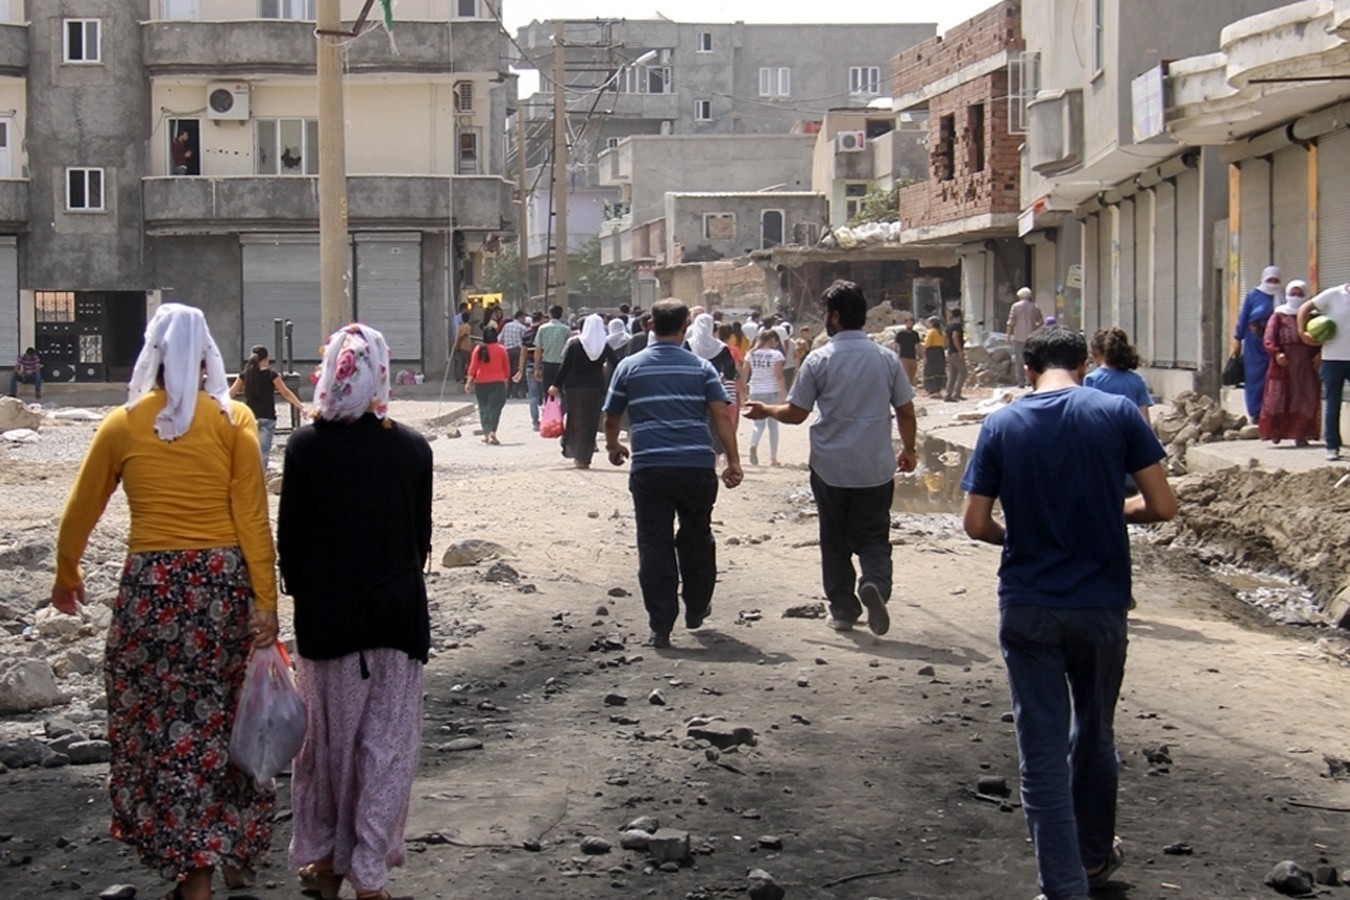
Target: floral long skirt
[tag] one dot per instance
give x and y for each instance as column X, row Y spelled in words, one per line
column 173, row 668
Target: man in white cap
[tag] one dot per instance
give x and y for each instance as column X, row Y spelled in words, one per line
column 1024, row 318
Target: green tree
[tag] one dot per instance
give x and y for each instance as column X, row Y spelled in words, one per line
column 606, row 286
column 879, row 204
column 501, row 275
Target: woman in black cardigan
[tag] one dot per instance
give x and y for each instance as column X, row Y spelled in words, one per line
column 353, row 538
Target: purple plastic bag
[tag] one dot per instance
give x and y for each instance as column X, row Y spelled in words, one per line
column 269, row 723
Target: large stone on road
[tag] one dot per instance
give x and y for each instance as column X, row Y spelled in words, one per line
column 27, row 684
column 470, row 552
column 15, row 414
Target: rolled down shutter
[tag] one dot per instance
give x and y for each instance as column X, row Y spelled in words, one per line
column 1289, row 211
column 9, row 302
column 1106, row 282
column 1254, row 242
column 1143, row 274
column 1091, row 286
column 1333, row 222
column 281, row 281
column 1128, row 318
column 388, row 291
column 1164, row 275
column 1190, row 281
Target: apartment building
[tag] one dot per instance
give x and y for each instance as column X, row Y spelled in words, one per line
column 169, row 151
column 959, row 83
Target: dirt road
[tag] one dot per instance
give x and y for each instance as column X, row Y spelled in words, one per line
column 861, row 782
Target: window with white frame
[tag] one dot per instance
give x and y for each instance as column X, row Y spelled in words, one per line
column 287, row 146
column 775, row 81
column 865, row 80
column 83, row 40
column 645, row 80
column 464, row 96
column 1098, row 35
column 1024, row 80
column 84, row 190
column 296, row 10
column 612, row 142
column 704, row 42
column 466, row 9
column 719, row 226
column 854, row 195
column 702, row 110
column 467, row 161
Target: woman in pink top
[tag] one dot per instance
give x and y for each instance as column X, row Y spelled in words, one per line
column 489, row 371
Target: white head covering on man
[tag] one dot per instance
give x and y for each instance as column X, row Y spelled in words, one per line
column 353, row 378
column 178, row 340
column 593, row 336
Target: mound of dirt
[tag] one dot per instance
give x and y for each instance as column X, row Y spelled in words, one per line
column 1277, row 521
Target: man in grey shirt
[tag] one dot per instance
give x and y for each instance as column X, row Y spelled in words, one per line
column 855, row 383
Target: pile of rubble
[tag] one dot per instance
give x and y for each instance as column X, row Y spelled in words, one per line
column 1196, row 419
column 990, row 366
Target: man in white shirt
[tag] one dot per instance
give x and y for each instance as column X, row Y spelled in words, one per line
column 1333, row 303
column 1024, row 318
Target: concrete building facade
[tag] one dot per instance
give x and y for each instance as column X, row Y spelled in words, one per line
column 170, row 153
column 971, row 198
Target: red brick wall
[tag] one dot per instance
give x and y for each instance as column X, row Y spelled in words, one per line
column 968, row 193
column 996, row 29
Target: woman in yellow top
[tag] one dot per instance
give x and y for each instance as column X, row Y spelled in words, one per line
column 934, row 358
column 199, row 555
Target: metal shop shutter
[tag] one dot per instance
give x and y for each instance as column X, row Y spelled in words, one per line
column 1129, row 317
column 1091, row 287
column 1190, row 295
column 1106, row 282
column 1143, row 274
column 1165, row 275
column 1333, row 222
column 281, row 281
column 9, row 302
column 1045, row 282
column 388, row 291
column 1289, row 211
column 1254, row 242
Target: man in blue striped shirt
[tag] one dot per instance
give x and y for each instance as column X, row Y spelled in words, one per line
column 670, row 395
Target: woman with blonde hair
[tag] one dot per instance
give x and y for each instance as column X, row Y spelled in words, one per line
column 353, row 537
column 198, row 591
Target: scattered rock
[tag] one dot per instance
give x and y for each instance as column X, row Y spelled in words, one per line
column 649, row 824
column 470, row 552
column 770, row 842
column 1180, row 848
column 1158, row 756
column 15, row 414
column 668, row 845
column 24, row 752
column 593, row 845
column 1326, row 874
column 1288, row 878
column 501, row 573
column 993, row 786
column 25, row 556
column 805, row 611
column 460, row 744
column 52, row 623
column 27, row 684
column 722, row 735
column 602, row 610
column 634, row 840
column 452, row 432
column 656, row 698
column 83, row 753
column 274, row 484
column 118, row 892
column 615, row 700
column 926, row 672
column 762, row 886
column 619, row 592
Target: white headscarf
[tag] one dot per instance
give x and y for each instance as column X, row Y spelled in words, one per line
column 353, row 378
column 593, row 336
column 701, row 338
column 1267, row 274
column 750, row 330
column 618, row 334
column 1290, row 306
column 177, row 339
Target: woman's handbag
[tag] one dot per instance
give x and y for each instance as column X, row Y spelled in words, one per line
column 1234, row 373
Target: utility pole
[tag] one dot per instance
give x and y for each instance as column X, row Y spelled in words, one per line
column 335, row 307
column 560, row 164
column 522, row 204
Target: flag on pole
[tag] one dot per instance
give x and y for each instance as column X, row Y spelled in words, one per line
column 388, row 14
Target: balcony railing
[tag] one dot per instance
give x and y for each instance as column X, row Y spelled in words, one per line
column 13, row 204
column 273, row 46
column 13, row 50
column 198, row 205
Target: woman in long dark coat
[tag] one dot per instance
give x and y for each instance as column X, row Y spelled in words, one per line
column 582, row 379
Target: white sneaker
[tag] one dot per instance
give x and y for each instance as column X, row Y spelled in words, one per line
column 1333, row 454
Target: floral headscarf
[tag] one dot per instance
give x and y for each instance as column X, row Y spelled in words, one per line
column 353, row 378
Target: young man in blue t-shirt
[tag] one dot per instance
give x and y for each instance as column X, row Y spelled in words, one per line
column 1056, row 461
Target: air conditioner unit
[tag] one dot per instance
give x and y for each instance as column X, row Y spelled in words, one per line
column 227, row 100
column 850, row 141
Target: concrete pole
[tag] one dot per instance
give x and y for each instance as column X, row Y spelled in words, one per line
column 522, row 205
column 560, row 165
column 335, row 303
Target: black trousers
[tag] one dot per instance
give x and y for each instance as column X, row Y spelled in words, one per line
column 661, row 495
column 853, row 522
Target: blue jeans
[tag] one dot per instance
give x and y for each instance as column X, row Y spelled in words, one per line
column 1334, row 374
column 35, row 379
column 536, row 389
column 1065, row 667
column 267, row 429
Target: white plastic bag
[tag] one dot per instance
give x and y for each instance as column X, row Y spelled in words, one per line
column 269, row 723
